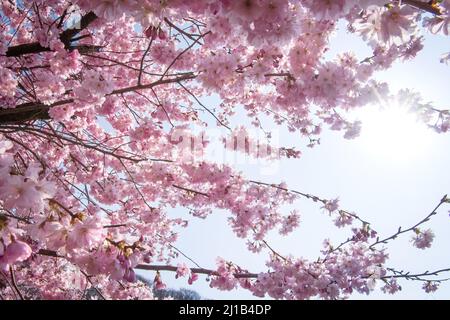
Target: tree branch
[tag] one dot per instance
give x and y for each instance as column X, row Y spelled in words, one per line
column 193, row 270
column 426, row 6
column 36, row 110
column 13, row 281
column 400, row 231
column 417, row 276
column 148, row 267
column 65, row 37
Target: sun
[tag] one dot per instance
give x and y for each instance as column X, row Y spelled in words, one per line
column 392, row 133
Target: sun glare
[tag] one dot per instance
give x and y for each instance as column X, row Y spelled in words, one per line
column 392, row 133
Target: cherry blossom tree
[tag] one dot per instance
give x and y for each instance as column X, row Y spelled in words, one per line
column 98, row 99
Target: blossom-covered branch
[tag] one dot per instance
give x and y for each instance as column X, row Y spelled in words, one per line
column 423, row 239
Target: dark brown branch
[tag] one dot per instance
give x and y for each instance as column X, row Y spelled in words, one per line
column 308, row 196
column 190, row 190
column 425, row 6
column 418, row 276
column 14, row 284
column 240, row 275
column 36, row 110
column 65, row 37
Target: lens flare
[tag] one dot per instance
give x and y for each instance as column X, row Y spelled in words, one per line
column 393, row 134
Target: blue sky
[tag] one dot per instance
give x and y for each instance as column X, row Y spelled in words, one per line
column 392, row 182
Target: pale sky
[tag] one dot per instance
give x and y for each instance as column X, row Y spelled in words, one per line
column 391, row 179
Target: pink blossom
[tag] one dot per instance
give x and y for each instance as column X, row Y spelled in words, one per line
column 438, row 24
column 53, row 233
column 22, row 193
column 16, row 251
column 364, row 4
column 97, row 84
column 28, row 190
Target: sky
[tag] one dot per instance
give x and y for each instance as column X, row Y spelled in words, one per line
column 393, row 175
